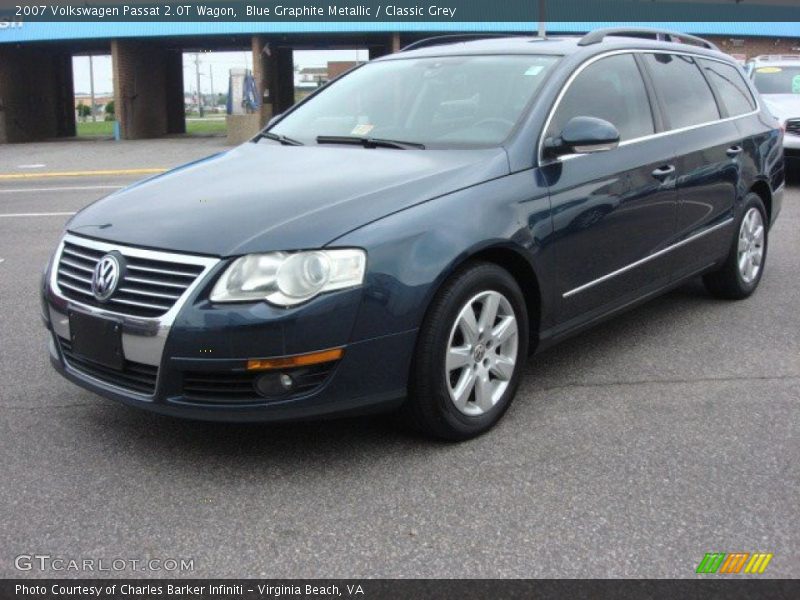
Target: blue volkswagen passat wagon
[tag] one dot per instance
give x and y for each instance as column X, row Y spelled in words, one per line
column 405, row 237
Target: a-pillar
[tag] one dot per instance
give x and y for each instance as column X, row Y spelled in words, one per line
column 148, row 89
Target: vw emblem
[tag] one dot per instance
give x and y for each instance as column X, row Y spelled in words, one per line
column 107, row 273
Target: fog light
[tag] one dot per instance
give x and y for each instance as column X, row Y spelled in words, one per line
column 274, row 384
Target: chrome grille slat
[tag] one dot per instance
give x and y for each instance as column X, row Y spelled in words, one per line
column 161, row 271
column 71, row 252
column 87, row 280
column 155, row 282
column 160, row 307
column 152, row 282
column 75, row 265
column 75, row 289
column 141, row 292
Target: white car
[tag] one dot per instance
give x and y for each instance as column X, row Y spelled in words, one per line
column 777, row 78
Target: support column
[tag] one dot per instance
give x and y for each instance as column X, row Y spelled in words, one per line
column 284, row 80
column 176, row 111
column 263, row 74
column 65, row 96
column 273, row 70
column 142, row 90
column 387, row 44
column 36, row 94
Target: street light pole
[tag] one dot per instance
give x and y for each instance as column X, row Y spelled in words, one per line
column 91, row 87
column 211, row 78
column 199, row 94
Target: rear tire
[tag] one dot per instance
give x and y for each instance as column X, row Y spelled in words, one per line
column 741, row 272
column 469, row 354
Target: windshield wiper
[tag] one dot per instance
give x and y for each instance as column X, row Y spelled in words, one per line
column 286, row 141
column 368, row 142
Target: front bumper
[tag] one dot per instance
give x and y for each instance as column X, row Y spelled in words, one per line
column 191, row 362
column 367, row 379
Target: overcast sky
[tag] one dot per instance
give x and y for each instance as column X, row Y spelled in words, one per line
column 218, row 63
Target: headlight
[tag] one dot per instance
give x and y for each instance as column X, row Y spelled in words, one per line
column 287, row 279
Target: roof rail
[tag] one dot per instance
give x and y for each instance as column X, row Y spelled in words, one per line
column 597, row 36
column 452, row 39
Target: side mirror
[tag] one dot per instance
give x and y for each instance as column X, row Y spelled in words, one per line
column 273, row 119
column 582, row 135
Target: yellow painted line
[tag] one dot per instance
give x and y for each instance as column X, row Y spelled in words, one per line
column 100, row 173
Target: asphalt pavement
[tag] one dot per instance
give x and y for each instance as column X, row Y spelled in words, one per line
column 630, row 451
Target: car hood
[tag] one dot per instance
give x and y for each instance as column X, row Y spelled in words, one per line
column 783, row 106
column 261, row 197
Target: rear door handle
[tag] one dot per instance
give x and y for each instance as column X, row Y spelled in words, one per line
column 734, row 151
column 661, row 173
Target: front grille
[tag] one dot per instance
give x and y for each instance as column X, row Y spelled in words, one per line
column 232, row 387
column 134, row 376
column 793, row 126
column 149, row 288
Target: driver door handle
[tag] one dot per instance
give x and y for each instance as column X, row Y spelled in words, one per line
column 661, row 173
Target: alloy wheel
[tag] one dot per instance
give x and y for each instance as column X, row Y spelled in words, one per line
column 751, row 245
column 481, row 353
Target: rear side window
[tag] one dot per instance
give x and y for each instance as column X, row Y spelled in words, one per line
column 685, row 96
column 610, row 89
column 731, row 86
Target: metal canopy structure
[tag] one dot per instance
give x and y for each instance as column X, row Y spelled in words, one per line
column 40, row 31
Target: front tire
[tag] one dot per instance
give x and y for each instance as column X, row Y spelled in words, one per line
column 469, row 355
column 741, row 272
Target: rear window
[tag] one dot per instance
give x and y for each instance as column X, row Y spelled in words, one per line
column 777, row 80
column 686, row 98
column 731, row 86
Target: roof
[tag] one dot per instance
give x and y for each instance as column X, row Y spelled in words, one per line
column 58, row 31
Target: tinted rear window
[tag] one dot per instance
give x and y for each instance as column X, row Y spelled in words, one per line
column 731, row 86
column 685, row 96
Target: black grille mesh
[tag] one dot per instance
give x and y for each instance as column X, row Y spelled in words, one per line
column 133, row 376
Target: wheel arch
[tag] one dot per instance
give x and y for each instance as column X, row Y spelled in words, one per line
column 762, row 189
column 513, row 260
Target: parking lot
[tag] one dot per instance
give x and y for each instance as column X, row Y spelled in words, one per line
column 631, row 451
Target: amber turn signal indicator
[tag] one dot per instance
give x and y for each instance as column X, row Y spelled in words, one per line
column 298, row 360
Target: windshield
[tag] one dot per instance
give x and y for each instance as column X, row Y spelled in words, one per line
column 777, row 80
column 458, row 101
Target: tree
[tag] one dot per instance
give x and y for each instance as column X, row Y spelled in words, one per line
column 83, row 110
column 110, row 109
